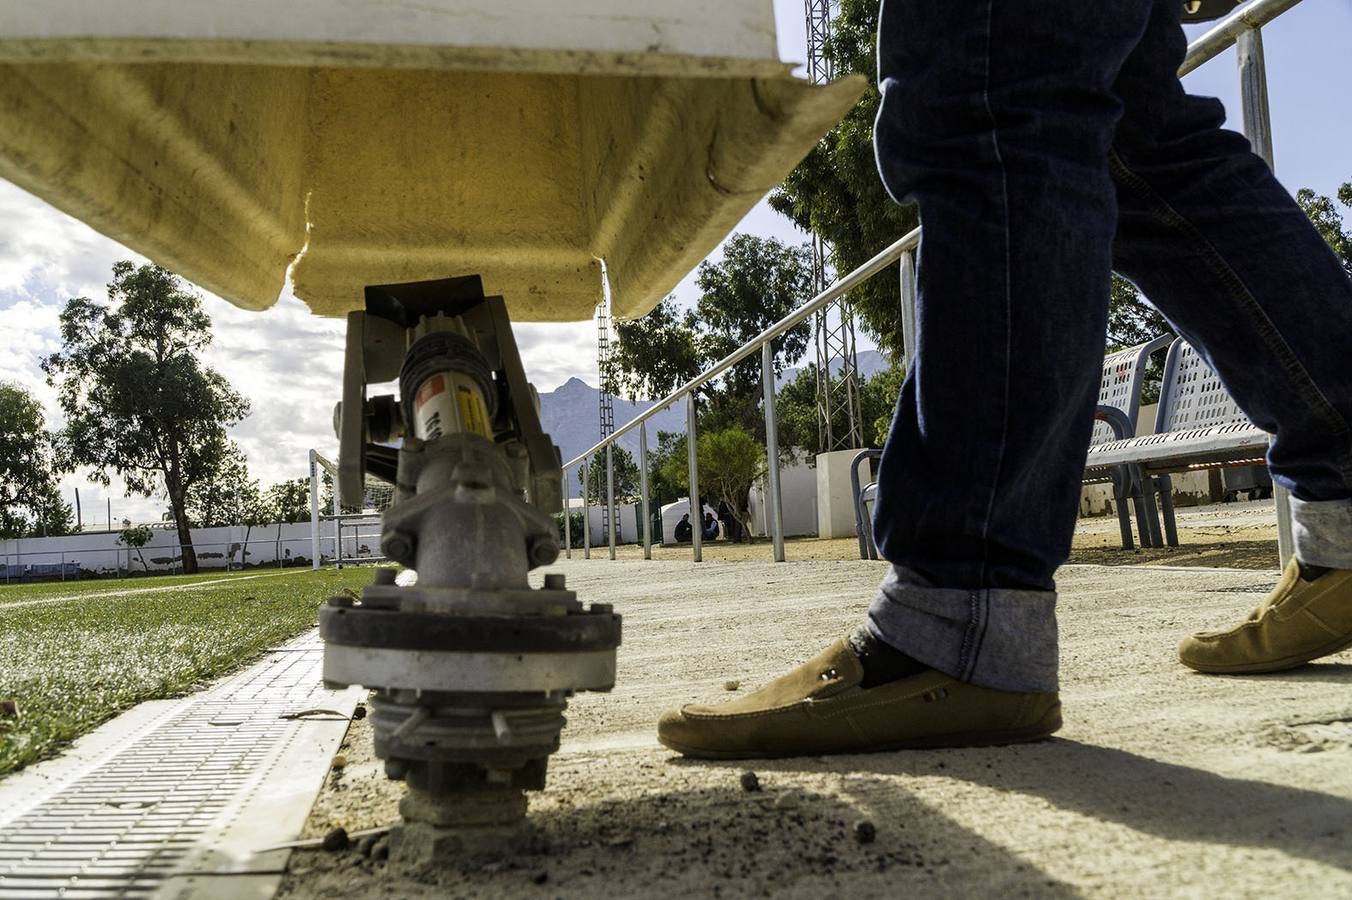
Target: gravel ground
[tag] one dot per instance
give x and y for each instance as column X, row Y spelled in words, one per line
column 1230, row 535
column 1162, row 782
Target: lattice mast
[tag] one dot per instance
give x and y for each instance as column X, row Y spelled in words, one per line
column 606, row 402
column 834, row 324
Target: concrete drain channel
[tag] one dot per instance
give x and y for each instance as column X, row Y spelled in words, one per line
column 179, row 798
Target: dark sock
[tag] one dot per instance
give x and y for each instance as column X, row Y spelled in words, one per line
column 1311, row 573
column 882, row 663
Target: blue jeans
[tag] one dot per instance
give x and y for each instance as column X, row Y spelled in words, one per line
column 1048, row 142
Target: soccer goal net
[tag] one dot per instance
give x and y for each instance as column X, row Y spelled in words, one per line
column 344, row 535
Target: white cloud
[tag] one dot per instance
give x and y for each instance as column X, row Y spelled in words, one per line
column 286, row 361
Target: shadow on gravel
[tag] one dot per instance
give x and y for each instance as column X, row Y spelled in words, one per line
column 1212, row 554
column 709, row 842
column 1313, row 673
column 1174, row 802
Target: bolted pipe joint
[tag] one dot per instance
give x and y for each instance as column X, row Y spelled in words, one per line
column 399, row 546
column 544, row 549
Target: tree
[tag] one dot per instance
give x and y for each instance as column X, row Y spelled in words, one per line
column 878, row 403
column 136, row 537
column 137, row 400
column 835, row 192
column 626, row 478
column 797, row 409
column 1132, row 320
column 757, row 283
column 668, row 469
column 217, row 499
column 289, row 500
column 1329, row 222
column 671, row 466
column 30, row 499
column 730, row 460
column 228, row 496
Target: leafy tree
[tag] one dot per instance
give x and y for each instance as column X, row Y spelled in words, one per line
column 835, row 192
column 289, row 501
column 655, row 354
column 757, row 282
column 137, row 400
column 796, row 407
column 626, row 478
column 668, row 469
column 730, row 460
column 1132, row 319
column 878, row 402
column 30, row 500
column 796, row 412
column 671, row 465
column 230, row 497
column 575, row 524
column 218, row 499
column 1328, row 221
column 136, row 537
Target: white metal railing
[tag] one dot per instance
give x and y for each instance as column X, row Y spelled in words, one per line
column 1242, row 29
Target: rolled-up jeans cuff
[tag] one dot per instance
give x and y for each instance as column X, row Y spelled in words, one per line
column 992, row 637
column 1322, row 530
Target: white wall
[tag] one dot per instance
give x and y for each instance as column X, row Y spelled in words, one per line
column 835, row 495
column 798, row 499
column 216, row 548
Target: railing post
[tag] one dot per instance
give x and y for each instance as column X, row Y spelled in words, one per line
column 586, row 514
column 314, row 512
column 692, row 460
column 1253, row 92
column 647, row 524
column 908, row 295
column 610, row 497
column 774, row 516
column 1253, row 96
column 567, row 520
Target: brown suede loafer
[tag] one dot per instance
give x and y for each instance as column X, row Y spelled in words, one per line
column 819, row 708
column 1299, row 621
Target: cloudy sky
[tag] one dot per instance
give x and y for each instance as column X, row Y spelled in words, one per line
column 288, row 362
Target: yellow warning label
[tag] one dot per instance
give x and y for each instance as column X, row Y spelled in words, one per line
column 474, row 412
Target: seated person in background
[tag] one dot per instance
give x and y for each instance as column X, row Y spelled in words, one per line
column 683, row 530
column 710, row 527
column 732, row 529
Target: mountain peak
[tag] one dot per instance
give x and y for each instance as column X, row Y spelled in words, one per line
column 574, row 384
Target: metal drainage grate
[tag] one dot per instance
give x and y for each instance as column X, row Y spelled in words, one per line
column 166, row 801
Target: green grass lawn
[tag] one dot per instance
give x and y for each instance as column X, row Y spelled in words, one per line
column 16, row 592
column 72, row 665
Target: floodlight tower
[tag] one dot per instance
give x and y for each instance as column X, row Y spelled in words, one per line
column 835, row 324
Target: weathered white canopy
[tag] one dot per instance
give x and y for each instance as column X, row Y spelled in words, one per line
column 357, row 142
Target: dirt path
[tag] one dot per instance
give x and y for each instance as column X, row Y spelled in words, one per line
column 1163, row 782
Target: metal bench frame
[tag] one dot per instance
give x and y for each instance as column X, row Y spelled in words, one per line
column 1119, row 401
column 1198, row 426
column 1119, row 404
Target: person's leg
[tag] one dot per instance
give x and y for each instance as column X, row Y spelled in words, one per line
column 1226, row 254
column 997, row 117
column 1007, row 156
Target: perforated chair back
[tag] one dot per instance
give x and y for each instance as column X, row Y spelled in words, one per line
column 1192, row 395
column 1120, row 388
